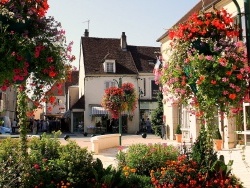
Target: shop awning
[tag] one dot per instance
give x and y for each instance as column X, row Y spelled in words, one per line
column 98, row 111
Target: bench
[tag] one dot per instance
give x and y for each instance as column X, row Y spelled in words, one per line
column 104, row 141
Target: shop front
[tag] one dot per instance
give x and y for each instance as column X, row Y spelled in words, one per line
column 102, row 123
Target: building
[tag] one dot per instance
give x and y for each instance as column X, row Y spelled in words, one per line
column 176, row 113
column 103, row 61
column 8, row 102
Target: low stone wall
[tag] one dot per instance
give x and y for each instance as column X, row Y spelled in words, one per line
column 104, row 141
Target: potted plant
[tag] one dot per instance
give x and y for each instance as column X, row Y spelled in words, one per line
column 217, row 140
column 178, row 134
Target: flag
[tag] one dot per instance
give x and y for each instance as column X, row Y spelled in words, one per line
column 156, row 70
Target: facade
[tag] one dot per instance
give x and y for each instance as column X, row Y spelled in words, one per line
column 176, row 113
column 103, row 62
column 8, row 103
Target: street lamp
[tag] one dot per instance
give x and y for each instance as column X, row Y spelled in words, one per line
column 119, row 83
column 139, row 105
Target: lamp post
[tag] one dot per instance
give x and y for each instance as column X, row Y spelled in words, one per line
column 119, row 83
column 139, row 106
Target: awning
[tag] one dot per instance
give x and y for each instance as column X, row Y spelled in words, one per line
column 98, row 111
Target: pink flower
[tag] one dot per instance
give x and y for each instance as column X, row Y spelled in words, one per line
column 209, row 57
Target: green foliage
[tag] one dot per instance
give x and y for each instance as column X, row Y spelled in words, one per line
column 157, row 115
column 178, row 129
column 109, row 177
column 216, row 134
column 45, row 147
column 202, row 150
column 50, row 164
column 139, row 181
column 11, row 165
column 9, row 149
column 144, row 157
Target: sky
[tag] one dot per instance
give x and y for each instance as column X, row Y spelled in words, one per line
column 143, row 21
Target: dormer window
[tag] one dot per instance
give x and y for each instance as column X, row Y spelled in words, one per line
column 109, row 66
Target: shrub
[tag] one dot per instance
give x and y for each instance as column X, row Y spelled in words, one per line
column 9, row 149
column 178, row 129
column 73, row 165
column 186, row 173
column 144, row 157
column 135, row 180
column 202, row 151
column 45, row 147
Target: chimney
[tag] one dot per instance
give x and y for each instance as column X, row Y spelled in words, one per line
column 86, row 33
column 123, row 42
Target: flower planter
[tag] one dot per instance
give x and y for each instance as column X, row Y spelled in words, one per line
column 178, row 138
column 217, row 144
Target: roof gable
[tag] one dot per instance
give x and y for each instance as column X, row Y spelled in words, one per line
column 80, row 104
column 143, row 56
column 132, row 61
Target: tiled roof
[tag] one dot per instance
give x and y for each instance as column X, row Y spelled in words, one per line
column 207, row 4
column 80, row 104
column 132, row 61
column 143, row 56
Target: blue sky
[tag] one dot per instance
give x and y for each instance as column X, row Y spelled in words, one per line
column 143, row 21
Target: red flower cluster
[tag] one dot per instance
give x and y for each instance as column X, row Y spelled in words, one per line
column 29, row 7
column 117, row 100
column 205, row 25
column 113, row 101
column 184, row 173
column 33, row 46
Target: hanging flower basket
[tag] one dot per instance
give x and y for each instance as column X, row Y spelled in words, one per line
column 206, row 66
column 117, row 100
column 33, row 45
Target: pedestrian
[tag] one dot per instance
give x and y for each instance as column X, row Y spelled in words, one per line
column 143, row 124
column 13, row 125
column 34, row 127
column 148, row 125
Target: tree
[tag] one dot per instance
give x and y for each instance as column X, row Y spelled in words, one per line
column 157, row 116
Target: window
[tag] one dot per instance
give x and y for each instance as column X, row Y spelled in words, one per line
column 109, row 84
column 109, row 66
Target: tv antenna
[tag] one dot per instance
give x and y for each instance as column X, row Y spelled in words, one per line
column 88, row 23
